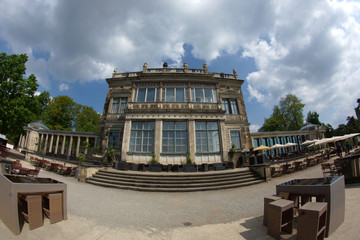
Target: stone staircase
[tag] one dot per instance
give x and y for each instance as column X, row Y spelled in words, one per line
column 175, row 182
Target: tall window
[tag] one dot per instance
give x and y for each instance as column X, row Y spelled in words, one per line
column 174, row 137
column 230, row 106
column 203, row 93
column 146, row 93
column 123, row 104
column 235, row 139
column 175, row 93
column 115, row 105
column 113, row 141
column 207, row 137
column 142, row 137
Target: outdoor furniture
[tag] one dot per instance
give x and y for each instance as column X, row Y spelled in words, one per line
column 287, row 168
column 312, row 221
column 14, row 186
column 31, row 210
column 53, row 207
column 34, row 172
column 327, row 169
column 299, row 165
column 276, row 171
column 329, row 189
column 268, row 200
column 280, row 217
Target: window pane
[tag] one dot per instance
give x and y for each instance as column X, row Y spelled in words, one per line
column 200, row 125
column 142, row 137
column 181, row 125
column 150, row 96
column 170, row 92
column 114, row 137
column 226, row 106
column 123, row 105
column 180, row 97
column 141, row 95
column 208, row 95
column 115, row 105
column 235, row 139
column 199, row 95
column 234, row 107
column 212, row 126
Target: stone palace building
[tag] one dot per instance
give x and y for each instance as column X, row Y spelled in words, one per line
column 173, row 112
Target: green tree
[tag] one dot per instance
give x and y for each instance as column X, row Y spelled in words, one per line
column 62, row 112
column 87, row 120
column 288, row 116
column 18, row 102
column 313, row 117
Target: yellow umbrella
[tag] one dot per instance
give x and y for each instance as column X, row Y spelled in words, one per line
column 262, row 147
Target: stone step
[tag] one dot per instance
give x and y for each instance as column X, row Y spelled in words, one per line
column 174, row 182
column 175, row 189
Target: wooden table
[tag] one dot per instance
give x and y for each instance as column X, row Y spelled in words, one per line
column 332, row 189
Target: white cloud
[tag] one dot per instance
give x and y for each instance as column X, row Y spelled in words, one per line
column 63, row 87
column 254, row 128
column 307, row 48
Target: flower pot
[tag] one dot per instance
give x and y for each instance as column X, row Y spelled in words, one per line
column 189, row 168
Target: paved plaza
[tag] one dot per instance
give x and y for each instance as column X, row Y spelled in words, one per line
column 104, row 213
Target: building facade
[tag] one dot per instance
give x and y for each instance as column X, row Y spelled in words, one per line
column 172, row 113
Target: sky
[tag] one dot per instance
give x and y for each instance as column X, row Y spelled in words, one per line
column 307, row 48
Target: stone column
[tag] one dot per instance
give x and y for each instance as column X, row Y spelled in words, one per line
column 46, row 142
column 63, row 145
column 158, row 139
column 51, row 142
column 126, row 140
column 222, row 136
column 70, row 146
column 19, row 143
column 26, row 139
column 57, row 144
column 77, row 147
column 192, row 139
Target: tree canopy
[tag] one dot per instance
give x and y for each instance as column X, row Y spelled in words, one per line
column 87, row 120
column 62, row 112
column 288, row 116
column 313, row 117
column 19, row 105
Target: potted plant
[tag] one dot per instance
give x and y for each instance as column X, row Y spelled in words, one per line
column 189, row 166
column 81, row 159
column 110, row 154
column 155, row 166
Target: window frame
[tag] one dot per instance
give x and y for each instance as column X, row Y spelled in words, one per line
column 145, row 136
column 211, row 137
column 176, row 132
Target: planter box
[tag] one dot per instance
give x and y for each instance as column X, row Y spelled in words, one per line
column 189, row 168
column 219, row 166
column 229, row 165
column 12, row 187
column 203, row 167
column 122, row 165
column 155, row 167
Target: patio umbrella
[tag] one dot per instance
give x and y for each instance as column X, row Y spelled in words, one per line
column 277, row 146
column 262, row 147
column 310, row 141
column 289, row 144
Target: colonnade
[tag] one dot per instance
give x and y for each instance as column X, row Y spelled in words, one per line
column 64, row 143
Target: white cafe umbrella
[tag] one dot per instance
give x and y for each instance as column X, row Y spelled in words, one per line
column 277, row 146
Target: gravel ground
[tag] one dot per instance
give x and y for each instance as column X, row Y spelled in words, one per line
column 96, row 212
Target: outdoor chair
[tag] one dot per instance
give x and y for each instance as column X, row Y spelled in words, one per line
column 34, row 172
column 53, row 207
column 276, row 171
column 327, row 169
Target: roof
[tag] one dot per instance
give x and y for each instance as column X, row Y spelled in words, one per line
column 309, row 126
column 38, row 125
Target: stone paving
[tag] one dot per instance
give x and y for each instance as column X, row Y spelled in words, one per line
column 104, row 213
